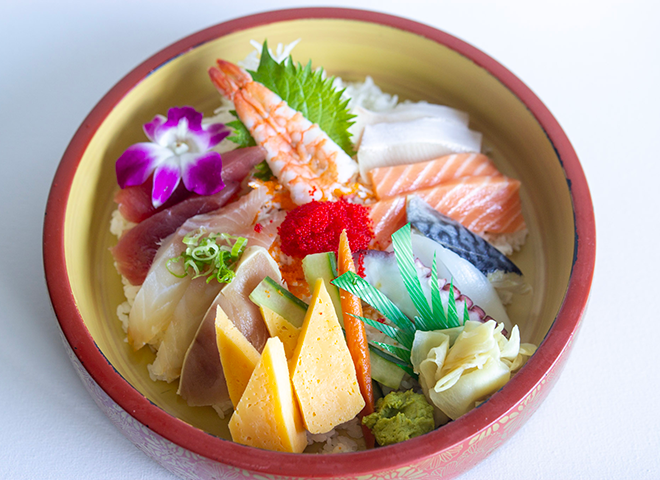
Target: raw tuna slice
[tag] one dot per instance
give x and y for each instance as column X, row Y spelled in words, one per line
column 391, row 181
column 136, row 249
column 202, row 379
column 161, row 291
column 135, row 205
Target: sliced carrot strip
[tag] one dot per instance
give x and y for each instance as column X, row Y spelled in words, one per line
column 356, row 335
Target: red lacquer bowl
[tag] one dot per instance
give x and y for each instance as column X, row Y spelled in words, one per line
column 409, row 59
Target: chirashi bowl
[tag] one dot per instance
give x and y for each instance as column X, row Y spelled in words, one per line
column 405, row 58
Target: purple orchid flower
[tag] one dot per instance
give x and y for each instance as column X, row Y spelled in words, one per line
column 179, row 150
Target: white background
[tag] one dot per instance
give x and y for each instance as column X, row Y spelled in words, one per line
column 594, row 64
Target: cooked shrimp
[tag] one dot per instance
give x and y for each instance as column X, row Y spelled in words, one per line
column 299, row 153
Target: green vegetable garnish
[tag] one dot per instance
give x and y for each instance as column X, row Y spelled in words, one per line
column 214, row 255
column 429, row 318
column 262, row 171
column 241, row 134
column 306, row 91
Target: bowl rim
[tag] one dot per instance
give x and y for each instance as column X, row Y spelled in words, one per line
column 555, row 344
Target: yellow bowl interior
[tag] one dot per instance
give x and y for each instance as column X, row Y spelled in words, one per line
column 400, row 62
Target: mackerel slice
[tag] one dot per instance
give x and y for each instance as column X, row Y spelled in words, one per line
column 454, row 236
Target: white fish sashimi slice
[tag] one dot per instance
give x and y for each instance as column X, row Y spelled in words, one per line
column 382, row 271
column 158, row 296
column 202, row 379
column 398, row 143
column 467, row 278
column 187, row 316
column 161, row 291
column 404, row 112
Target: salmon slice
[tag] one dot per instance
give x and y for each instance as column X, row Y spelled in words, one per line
column 482, row 204
column 387, row 216
column 391, row 181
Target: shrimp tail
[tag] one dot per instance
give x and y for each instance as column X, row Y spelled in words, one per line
column 229, row 78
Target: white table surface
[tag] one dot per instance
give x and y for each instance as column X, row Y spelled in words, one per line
column 596, row 65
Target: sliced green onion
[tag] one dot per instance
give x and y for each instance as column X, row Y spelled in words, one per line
column 213, row 256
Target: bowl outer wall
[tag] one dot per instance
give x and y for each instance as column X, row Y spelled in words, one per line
column 553, row 347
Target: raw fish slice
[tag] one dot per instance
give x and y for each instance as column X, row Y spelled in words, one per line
column 387, row 216
column 202, row 379
column 136, row 249
column 181, row 331
column 392, row 181
column 135, row 203
column 398, row 143
column 382, row 272
column 481, row 204
column 404, row 112
column 466, row 276
column 454, row 236
column 161, row 291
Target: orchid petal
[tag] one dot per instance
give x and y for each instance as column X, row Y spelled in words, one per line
column 151, row 129
column 202, row 173
column 217, row 132
column 192, row 116
column 166, row 179
column 207, row 138
column 135, row 165
column 176, row 128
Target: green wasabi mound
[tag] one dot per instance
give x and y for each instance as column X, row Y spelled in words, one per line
column 400, row 416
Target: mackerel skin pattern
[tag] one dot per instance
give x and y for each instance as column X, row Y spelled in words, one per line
column 454, row 236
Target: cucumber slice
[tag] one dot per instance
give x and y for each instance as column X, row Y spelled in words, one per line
column 324, row 266
column 385, row 371
column 271, row 294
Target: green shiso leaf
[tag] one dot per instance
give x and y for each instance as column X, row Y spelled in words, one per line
column 305, row 90
column 241, row 135
column 406, row 262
